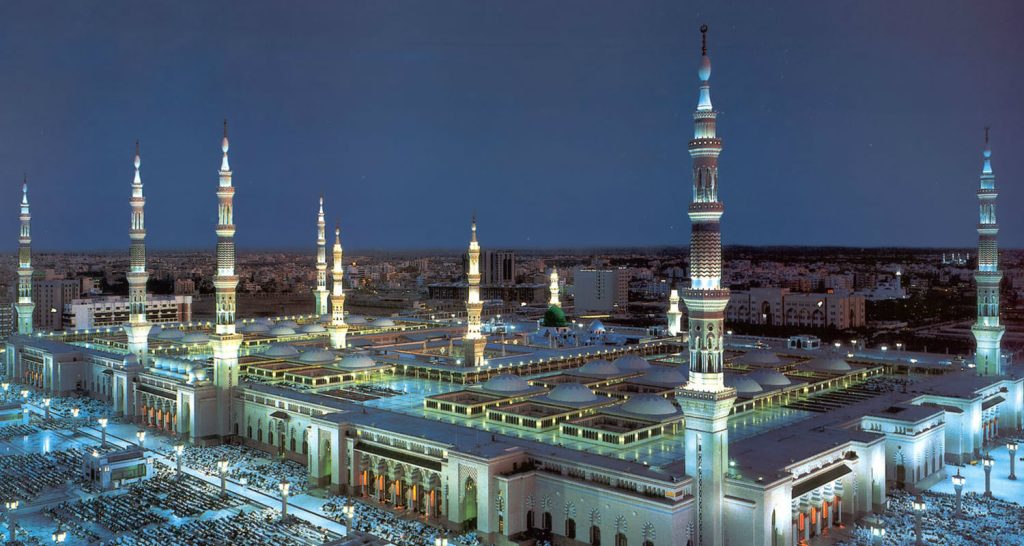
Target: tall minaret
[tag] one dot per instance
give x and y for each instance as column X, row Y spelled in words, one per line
column 24, row 306
column 137, row 328
column 320, row 292
column 225, row 342
column 705, row 400
column 553, row 288
column 674, row 315
column 987, row 330
column 337, row 329
column 473, row 344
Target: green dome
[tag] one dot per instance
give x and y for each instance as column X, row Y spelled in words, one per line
column 554, row 317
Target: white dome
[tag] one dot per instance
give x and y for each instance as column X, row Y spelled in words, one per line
column 506, row 383
column 312, row 328
column 195, row 337
column 599, row 367
column 255, row 328
column 649, row 404
column 572, row 393
column 130, row 359
column 596, row 327
column 282, row 331
column 355, row 319
column 743, row 384
column 289, row 323
column 770, row 378
column 314, row 356
column 201, row 374
column 829, row 363
column 664, row 376
column 281, row 350
column 383, row 322
column 266, row 321
column 171, row 334
column 631, row 363
column 155, row 331
column 357, row 361
column 758, row 356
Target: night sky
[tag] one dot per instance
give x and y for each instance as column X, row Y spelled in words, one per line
column 562, row 123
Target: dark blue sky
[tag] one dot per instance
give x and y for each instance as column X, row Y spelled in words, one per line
column 563, row 123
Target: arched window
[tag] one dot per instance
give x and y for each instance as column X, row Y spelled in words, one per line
column 529, row 519
column 547, row 521
column 570, row 528
column 293, row 443
column 249, row 434
column 648, row 543
column 620, row 539
column 595, row 535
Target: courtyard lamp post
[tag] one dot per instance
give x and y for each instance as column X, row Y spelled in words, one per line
column 284, row 486
column 74, row 419
column 349, row 511
column 958, row 486
column 986, row 463
column 222, row 467
column 441, row 541
column 46, row 406
column 24, row 394
column 178, row 450
column 141, row 436
column 7, row 387
column 59, row 535
column 1011, row 447
column 11, row 506
column 919, row 508
column 877, row 531
column 103, row 430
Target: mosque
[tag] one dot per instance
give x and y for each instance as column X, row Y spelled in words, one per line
column 589, row 433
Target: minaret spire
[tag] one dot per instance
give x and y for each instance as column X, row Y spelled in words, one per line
column 988, row 332
column 337, row 329
column 225, row 342
column 137, row 328
column 553, row 288
column 473, row 343
column 320, row 292
column 24, row 306
column 705, row 400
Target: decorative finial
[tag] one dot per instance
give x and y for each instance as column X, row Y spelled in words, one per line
column 225, row 127
column 321, row 206
column 337, row 234
column 138, row 156
column 986, row 135
column 24, row 188
column 704, row 39
column 224, row 145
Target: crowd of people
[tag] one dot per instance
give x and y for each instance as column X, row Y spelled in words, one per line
column 24, row 477
column 256, row 527
column 260, row 473
column 118, row 513
column 985, row 520
column 60, row 406
column 392, row 528
column 184, row 496
column 13, row 431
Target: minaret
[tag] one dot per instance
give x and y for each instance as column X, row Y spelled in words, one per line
column 473, row 344
column 225, row 342
column 337, row 329
column 553, row 288
column 320, row 293
column 137, row 328
column 675, row 316
column 987, row 330
column 705, row 400
column 24, row 306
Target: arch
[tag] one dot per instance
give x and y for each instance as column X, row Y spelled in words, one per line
column 547, row 521
column 620, row 539
column 530, row 523
column 595, row 535
column 570, row 528
column 469, row 502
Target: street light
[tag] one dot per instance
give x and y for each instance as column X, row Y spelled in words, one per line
column 178, row 450
column 877, row 531
column 1011, row 446
column 141, row 435
column 24, row 394
column 349, row 511
column 103, row 430
column 958, row 485
column 919, row 508
column 6, row 387
column 59, row 535
column 11, row 506
column 986, row 463
column 46, row 405
column 284, row 486
column 441, row 541
column 222, row 466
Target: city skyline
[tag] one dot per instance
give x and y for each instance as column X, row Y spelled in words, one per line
column 398, row 115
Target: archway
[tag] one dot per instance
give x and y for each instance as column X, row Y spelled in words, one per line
column 469, row 503
column 620, row 540
column 595, row 535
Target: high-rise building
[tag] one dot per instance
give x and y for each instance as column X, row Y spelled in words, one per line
column 498, row 268
column 51, row 295
column 987, row 331
column 600, row 290
column 104, row 311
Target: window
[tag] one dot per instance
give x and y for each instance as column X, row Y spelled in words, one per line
column 595, row 535
column 547, row 521
column 529, row 519
column 570, row 528
column 620, row 539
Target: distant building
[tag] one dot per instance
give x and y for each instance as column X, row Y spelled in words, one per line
column 497, row 267
column 534, row 293
column 185, row 287
column 780, row 307
column 601, row 290
column 887, row 287
column 113, row 311
column 50, row 296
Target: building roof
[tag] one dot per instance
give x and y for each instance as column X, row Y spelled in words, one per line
column 554, row 317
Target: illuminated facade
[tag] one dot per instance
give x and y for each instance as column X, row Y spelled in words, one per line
column 320, row 292
column 338, row 329
column 137, row 328
column 24, row 305
column 553, row 288
column 473, row 343
column 674, row 315
column 987, row 331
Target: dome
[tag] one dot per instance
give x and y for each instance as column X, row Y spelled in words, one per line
column 828, row 363
column 313, row 356
column 664, row 376
column 130, row 359
column 281, row 350
column 649, row 404
column 355, row 319
column 201, row 374
column 155, row 331
column 357, row 361
column 195, row 337
column 554, row 317
column 631, row 363
column 596, row 327
column 171, row 334
column 256, row 328
column 266, row 321
column 506, row 383
column 770, row 378
column 282, row 331
column 383, row 322
column 743, row 384
column 758, row 356
column 312, row 328
column 289, row 323
column 599, row 367
column 573, row 393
